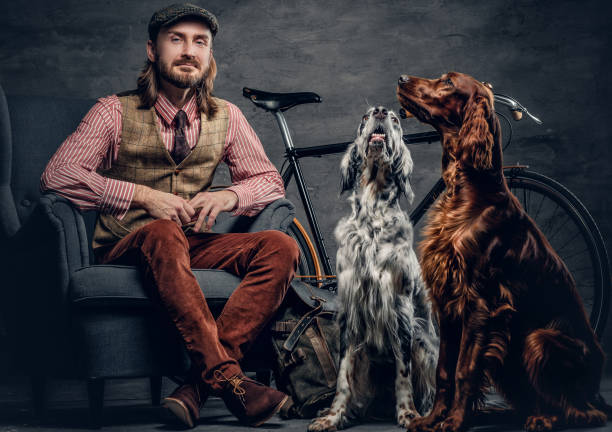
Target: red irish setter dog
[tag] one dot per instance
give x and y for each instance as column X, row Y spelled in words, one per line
column 509, row 312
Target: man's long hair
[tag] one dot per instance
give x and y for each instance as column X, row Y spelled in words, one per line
column 148, row 88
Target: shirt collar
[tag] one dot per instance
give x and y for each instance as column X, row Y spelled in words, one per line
column 167, row 111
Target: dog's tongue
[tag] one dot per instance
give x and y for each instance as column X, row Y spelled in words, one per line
column 377, row 138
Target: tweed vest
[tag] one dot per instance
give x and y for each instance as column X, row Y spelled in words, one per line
column 144, row 159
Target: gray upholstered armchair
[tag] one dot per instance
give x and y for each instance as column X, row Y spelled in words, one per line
column 65, row 316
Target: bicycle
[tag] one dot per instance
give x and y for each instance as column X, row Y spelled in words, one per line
column 563, row 219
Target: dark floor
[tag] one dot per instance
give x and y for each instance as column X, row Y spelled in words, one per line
column 127, row 408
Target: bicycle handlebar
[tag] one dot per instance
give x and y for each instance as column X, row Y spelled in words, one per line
column 515, row 107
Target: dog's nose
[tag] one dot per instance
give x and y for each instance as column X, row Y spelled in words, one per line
column 380, row 113
column 403, row 79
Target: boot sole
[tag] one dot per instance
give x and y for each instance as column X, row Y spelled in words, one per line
column 179, row 409
column 267, row 417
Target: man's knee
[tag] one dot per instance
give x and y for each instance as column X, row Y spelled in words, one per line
column 284, row 246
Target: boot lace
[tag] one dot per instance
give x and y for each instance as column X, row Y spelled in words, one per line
column 235, row 382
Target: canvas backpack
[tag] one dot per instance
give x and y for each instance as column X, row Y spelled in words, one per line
column 306, row 342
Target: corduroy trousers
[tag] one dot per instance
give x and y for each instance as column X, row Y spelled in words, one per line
column 266, row 262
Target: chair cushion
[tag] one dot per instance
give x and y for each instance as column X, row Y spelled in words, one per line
column 117, row 286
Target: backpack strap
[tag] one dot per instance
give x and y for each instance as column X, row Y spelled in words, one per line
column 312, row 296
column 323, row 355
column 301, row 326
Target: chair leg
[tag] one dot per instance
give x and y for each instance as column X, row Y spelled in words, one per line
column 156, row 385
column 95, row 393
column 263, row 376
column 39, row 384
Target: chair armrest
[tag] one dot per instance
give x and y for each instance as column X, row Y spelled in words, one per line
column 277, row 215
column 61, row 225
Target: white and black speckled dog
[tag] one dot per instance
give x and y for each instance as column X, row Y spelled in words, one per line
column 386, row 328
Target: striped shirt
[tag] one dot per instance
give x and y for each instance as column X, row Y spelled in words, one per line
column 71, row 172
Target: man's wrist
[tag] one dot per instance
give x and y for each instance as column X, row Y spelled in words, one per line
column 141, row 194
column 243, row 198
column 235, row 199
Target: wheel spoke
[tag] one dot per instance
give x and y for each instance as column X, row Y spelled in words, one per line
column 568, row 242
column 550, row 221
column 568, row 257
column 554, row 234
column 582, row 270
column 539, row 207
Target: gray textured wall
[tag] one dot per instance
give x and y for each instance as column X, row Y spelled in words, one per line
column 552, row 55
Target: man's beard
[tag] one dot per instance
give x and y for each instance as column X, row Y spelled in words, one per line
column 180, row 79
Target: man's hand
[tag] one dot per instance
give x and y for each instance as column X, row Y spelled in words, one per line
column 212, row 203
column 162, row 205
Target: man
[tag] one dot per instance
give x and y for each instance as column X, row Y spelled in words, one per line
column 144, row 159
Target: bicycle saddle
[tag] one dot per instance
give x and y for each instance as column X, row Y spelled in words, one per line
column 279, row 101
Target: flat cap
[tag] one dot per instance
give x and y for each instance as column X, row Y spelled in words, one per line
column 175, row 12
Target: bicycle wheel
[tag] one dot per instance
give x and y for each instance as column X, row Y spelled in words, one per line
column 573, row 234
column 308, row 269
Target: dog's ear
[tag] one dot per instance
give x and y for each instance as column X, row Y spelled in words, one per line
column 402, row 168
column 349, row 167
column 476, row 136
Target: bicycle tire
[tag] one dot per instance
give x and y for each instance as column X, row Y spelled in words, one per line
column 308, row 269
column 594, row 260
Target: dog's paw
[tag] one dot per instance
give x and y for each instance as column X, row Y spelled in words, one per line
column 540, row 423
column 405, row 417
column 420, row 424
column 323, row 424
column 589, row 417
column 452, row 423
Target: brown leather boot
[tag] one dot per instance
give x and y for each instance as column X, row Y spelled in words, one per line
column 186, row 401
column 250, row 401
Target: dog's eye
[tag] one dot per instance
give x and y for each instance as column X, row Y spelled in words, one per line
column 395, row 120
column 365, row 118
column 449, row 82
